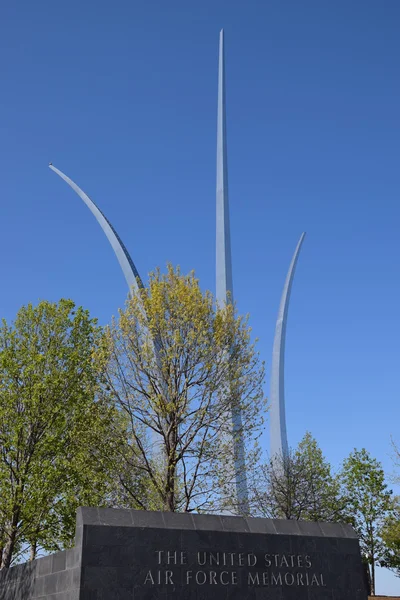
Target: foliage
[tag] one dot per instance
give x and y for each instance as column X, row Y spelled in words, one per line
column 368, row 502
column 179, row 399
column 54, row 434
column 391, row 538
column 298, row 485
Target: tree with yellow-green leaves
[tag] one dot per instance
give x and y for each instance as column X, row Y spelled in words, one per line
column 391, row 538
column 179, row 400
column 56, row 436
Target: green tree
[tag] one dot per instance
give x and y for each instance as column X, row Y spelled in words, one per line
column 179, row 404
column 368, row 504
column 391, row 538
column 298, row 485
column 54, row 434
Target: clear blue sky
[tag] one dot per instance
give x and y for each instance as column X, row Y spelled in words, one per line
column 122, row 97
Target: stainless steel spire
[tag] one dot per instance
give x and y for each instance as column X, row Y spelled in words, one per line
column 127, row 265
column 278, row 436
column 224, row 283
column 224, row 287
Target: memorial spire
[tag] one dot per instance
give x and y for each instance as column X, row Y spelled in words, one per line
column 126, row 263
column 278, row 435
column 224, row 283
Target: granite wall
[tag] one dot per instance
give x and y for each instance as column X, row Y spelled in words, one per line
column 137, row 555
column 53, row 577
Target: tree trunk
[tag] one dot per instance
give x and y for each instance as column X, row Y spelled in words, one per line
column 373, row 577
column 172, row 439
column 8, row 549
column 33, row 551
column 170, row 488
column 9, row 546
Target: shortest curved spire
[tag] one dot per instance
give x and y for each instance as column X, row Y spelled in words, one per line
column 127, row 265
column 278, row 435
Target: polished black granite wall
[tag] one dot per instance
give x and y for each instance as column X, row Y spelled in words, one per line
column 55, row 577
column 136, row 555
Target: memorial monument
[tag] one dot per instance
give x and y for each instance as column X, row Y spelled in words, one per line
column 224, row 291
column 122, row 554
column 138, row 555
column 224, row 285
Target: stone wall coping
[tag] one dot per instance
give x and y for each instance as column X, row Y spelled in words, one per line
column 118, row 517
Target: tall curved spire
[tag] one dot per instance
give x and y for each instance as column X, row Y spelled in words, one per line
column 278, row 436
column 127, row 265
column 224, row 283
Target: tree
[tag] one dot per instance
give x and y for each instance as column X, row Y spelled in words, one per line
column 369, row 504
column 54, row 433
column 391, row 538
column 179, row 400
column 298, row 485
